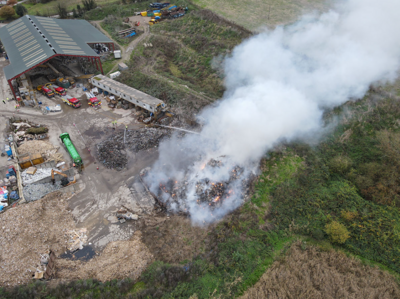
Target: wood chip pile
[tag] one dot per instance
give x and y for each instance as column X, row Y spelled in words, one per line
column 41, row 147
column 29, row 231
column 118, row 260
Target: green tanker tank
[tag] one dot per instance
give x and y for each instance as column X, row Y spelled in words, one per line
column 71, row 148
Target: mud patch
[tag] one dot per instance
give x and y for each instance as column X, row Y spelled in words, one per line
column 85, row 254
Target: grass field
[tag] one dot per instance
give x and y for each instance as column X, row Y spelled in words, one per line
column 333, row 272
column 50, row 8
column 253, row 14
column 179, row 67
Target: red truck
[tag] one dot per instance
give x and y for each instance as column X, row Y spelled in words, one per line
column 70, row 101
column 57, row 89
column 46, row 91
column 92, row 100
column 60, row 91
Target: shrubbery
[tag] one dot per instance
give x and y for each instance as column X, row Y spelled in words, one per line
column 337, row 232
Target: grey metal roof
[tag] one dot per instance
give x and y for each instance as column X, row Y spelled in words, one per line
column 127, row 90
column 30, row 40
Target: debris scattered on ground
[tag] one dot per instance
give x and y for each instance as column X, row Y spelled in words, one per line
column 26, row 130
column 76, row 239
column 124, row 214
column 118, row 260
column 27, row 232
column 31, row 170
column 34, row 192
column 41, row 173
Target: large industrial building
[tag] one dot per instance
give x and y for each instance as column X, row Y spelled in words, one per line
column 32, row 41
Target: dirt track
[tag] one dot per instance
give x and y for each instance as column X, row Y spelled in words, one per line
column 127, row 50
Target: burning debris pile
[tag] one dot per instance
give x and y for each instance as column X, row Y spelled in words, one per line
column 180, row 196
column 144, row 138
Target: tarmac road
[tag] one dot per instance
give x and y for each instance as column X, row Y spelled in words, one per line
column 99, row 193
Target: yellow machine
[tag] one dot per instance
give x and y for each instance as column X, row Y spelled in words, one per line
column 62, row 174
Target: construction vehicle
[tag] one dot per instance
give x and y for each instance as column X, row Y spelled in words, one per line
column 70, row 101
column 76, row 158
column 46, row 91
column 56, row 89
column 93, row 100
column 162, row 115
column 154, row 20
column 72, row 80
column 53, row 179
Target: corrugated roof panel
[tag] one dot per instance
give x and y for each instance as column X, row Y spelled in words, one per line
column 30, row 49
column 26, row 47
column 36, row 60
column 34, row 42
column 28, row 58
column 18, row 29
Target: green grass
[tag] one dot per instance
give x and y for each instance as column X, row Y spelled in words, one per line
column 108, row 65
column 183, row 57
column 351, row 179
column 113, row 29
column 253, row 14
column 50, row 8
column 116, row 10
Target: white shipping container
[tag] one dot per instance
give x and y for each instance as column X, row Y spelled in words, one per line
column 117, row 54
column 115, row 75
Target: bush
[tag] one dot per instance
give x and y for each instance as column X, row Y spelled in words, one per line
column 20, row 10
column 7, row 12
column 337, row 232
column 340, row 164
column 318, row 234
column 348, row 215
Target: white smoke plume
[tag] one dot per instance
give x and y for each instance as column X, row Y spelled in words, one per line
column 277, row 85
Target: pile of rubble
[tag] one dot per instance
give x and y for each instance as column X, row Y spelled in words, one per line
column 173, row 193
column 26, row 130
column 41, row 173
column 111, row 152
column 144, row 138
column 123, row 215
column 76, row 239
column 34, row 192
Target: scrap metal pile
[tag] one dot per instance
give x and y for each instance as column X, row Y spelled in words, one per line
column 111, row 152
column 173, row 195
